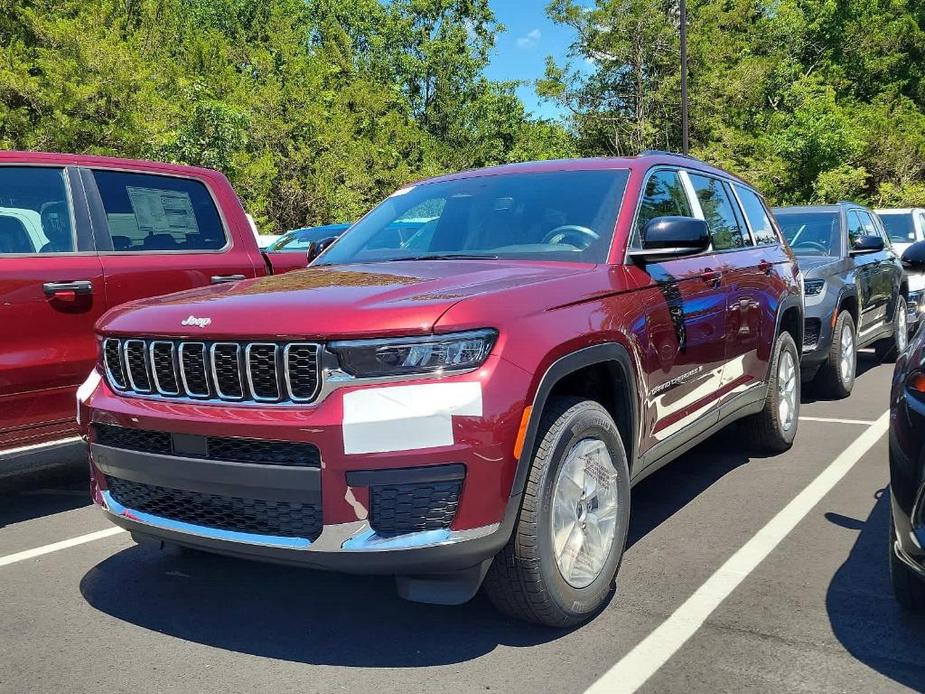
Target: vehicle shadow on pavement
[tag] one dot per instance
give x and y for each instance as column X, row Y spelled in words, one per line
column 29, row 498
column 295, row 614
column 864, row 616
column 867, row 360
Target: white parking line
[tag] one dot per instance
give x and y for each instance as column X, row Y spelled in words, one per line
column 836, row 420
column 644, row 660
column 55, row 546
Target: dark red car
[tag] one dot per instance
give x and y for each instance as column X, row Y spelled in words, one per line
column 473, row 401
column 81, row 234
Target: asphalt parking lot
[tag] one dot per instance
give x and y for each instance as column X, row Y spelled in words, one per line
column 804, row 604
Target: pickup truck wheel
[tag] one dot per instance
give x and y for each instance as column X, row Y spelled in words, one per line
column 836, row 377
column 908, row 586
column 559, row 566
column 892, row 347
column 774, row 428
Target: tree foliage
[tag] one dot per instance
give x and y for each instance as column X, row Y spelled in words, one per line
column 315, row 109
column 812, row 100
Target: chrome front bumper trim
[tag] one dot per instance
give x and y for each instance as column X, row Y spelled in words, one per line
column 357, row 536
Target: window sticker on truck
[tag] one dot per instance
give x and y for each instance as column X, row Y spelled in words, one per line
column 159, row 211
column 403, row 418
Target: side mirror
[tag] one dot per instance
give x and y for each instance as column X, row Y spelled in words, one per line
column 867, row 244
column 913, row 259
column 316, row 248
column 672, row 237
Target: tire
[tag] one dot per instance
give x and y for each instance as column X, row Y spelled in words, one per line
column 525, row 580
column 908, row 586
column 890, row 348
column 836, row 377
column 767, row 428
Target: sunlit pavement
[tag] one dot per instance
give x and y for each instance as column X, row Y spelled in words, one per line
column 816, row 614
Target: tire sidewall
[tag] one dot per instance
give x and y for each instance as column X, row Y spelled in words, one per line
column 784, row 343
column 583, row 423
column 845, row 320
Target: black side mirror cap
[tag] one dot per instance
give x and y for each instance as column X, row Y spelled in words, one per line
column 913, row 258
column 316, row 248
column 868, row 244
column 672, row 237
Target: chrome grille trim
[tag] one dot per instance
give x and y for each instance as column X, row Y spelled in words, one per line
column 215, row 380
column 117, row 383
column 287, row 370
column 250, row 376
column 203, row 354
column 152, row 367
column 126, row 346
column 202, row 371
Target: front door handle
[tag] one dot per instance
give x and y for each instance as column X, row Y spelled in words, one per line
column 78, row 287
column 221, row 279
column 765, row 267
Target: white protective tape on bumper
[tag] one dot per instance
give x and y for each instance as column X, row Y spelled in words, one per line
column 404, row 418
column 86, row 389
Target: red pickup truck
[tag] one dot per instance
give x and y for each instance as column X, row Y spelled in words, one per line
column 81, row 234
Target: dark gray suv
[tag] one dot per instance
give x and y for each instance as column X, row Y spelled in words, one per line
column 855, row 289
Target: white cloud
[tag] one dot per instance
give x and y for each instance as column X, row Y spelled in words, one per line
column 530, row 40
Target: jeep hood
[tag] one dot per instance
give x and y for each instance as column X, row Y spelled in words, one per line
column 326, row 302
column 818, row 265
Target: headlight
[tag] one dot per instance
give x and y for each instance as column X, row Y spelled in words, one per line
column 813, row 287
column 414, row 355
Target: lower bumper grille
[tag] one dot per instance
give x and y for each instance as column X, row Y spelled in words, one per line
column 406, row 508
column 233, row 513
column 226, row 449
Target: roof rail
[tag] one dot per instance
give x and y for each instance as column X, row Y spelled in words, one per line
column 662, row 152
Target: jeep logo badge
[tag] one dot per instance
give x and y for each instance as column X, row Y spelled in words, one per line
column 198, row 322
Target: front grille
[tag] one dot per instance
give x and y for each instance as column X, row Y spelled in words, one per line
column 219, row 448
column 811, row 329
column 226, row 371
column 234, row 513
column 406, row 508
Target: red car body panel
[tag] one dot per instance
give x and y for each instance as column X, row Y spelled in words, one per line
column 49, row 345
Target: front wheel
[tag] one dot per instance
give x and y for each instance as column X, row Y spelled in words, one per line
column 775, row 427
column 836, row 377
column 559, row 566
column 892, row 347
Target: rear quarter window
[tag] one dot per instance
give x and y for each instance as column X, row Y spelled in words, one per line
column 151, row 213
column 759, row 219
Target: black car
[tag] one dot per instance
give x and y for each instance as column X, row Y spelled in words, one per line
column 855, row 290
column 907, row 463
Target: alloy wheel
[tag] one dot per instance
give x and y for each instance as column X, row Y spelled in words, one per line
column 786, row 390
column 902, row 329
column 584, row 512
column 847, row 362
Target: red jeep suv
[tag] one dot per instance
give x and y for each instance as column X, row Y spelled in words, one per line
column 467, row 403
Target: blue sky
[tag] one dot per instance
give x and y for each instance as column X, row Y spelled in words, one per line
column 520, row 52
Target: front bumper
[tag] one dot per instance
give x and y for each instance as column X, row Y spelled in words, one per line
column 818, row 325
column 341, row 485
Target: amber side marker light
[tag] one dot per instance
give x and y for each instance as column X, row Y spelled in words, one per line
column 522, row 431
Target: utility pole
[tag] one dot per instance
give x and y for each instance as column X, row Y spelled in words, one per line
column 684, row 124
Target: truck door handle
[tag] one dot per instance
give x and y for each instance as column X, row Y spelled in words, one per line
column 79, row 287
column 221, row 279
column 711, row 277
column 765, row 267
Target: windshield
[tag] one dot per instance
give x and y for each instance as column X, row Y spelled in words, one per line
column 811, row 233
column 900, row 227
column 562, row 215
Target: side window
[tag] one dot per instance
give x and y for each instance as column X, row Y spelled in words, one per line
column 35, row 216
column 663, row 196
column 153, row 213
column 871, row 228
column 855, row 228
column 758, row 217
column 921, row 217
column 718, row 211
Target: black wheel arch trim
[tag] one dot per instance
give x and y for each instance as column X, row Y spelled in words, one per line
column 790, row 301
column 562, row 367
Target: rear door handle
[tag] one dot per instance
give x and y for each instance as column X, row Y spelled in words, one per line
column 221, row 279
column 711, row 277
column 77, row 286
column 765, row 267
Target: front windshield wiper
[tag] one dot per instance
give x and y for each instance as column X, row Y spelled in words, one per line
column 442, row 256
